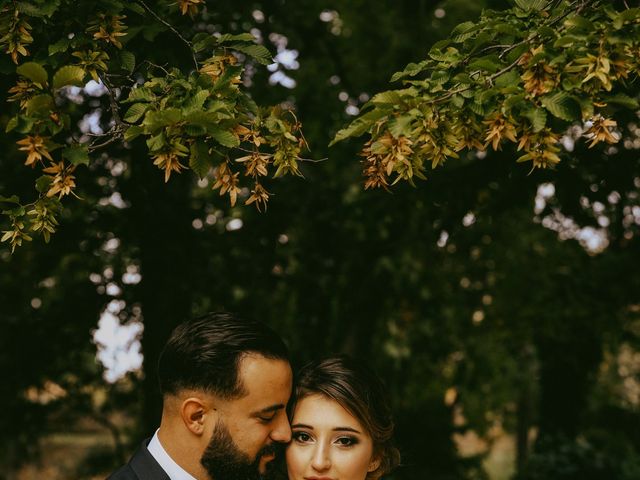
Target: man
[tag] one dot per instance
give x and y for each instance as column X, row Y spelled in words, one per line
column 225, row 384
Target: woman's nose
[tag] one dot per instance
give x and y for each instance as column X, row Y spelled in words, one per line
column 321, row 460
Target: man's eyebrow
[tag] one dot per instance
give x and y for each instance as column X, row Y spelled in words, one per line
column 269, row 409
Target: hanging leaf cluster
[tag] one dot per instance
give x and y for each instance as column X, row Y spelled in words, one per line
column 196, row 117
column 520, row 76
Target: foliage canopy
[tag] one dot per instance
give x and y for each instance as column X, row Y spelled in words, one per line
column 195, row 115
column 522, row 76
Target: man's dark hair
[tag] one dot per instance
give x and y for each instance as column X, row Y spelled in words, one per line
column 205, row 353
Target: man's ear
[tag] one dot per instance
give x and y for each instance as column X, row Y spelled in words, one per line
column 194, row 411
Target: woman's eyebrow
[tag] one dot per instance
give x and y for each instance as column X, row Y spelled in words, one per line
column 302, row 425
column 346, row 429
column 336, row 429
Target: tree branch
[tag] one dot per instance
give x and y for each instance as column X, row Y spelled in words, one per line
column 172, row 28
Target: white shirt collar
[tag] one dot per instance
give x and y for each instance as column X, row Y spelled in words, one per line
column 157, row 451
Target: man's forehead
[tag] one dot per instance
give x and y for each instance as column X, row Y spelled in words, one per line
column 266, row 378
column 263, row 372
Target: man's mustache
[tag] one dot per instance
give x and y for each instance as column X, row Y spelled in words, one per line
column 275, row 448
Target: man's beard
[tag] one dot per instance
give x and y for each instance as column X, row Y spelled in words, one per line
column 223, row 460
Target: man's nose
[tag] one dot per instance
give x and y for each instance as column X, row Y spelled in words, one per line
column 321, row 460
column 282, row 430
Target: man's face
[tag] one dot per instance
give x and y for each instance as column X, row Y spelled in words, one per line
column 250, row 429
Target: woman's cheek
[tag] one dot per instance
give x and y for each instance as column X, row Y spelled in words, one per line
column 295, row 461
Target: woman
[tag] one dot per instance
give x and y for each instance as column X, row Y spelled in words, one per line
column 341, row 424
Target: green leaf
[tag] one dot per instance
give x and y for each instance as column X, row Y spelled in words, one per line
column 532, row 5
column 225, row 138
column 546, row 33
column 155, row 120
column 538, row 118
column 195, row 130
column 630, row 14
column 11, row 199
column 77, row 154
column 25, row 124
column 141, row 94
column 11, row 124
column 225, row 79
column 562, row 106
column 43, row 182
column 243, row 37
column 34, row 72
column 579, row 23
column 258, row 52
column 463, row 31
column 200, row 159
column 157, row 142
column 507, row 29
column 457, row 101
column 623, row 100
column 489, row 63
column 508, row 79
column 567, row 40
column 247, row 102
column 61, row 45
column 18, row 211
column 69, row 75
column 203, row 41
column 587, row 108
column 513, row 101
column 207, row 120
column 360, row 125
column 451, row 55
column 197, row 101
column 134, row 7
column 132, row 132
column 40, row 105
column 410, row 70
column 135, row 112
column 389, row 97
column 400, row 126
column 440, row 76
column 38, row 9
column 127, row 61
column 477, row 108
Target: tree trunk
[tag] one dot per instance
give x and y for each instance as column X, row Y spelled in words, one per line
column 166, row 252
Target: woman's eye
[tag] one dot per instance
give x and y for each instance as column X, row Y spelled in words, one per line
column 301, row 437
column 346, row 441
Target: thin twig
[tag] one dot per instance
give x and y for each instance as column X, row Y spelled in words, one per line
column 312, row 160
column 172, row 28
column 113, row 103
column 298, row 125
column 258, row 152
column 166, row 72
column 492, row 77
column 115, row 135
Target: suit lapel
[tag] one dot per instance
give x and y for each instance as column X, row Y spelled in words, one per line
column 145, row 466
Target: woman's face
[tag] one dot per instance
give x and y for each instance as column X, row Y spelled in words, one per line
column 327, row 443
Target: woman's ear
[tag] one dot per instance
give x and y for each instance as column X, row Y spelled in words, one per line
column 374, row 465
column 193, row 412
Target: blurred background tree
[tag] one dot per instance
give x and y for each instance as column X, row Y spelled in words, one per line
column 493, row 302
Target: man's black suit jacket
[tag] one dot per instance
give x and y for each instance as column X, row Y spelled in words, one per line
column 142, row 466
